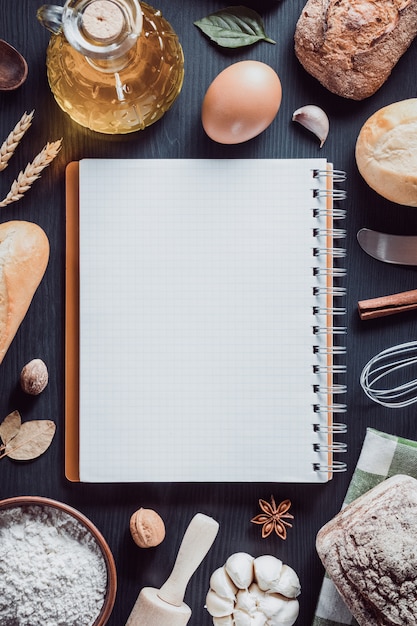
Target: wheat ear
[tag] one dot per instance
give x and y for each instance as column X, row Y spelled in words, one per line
column 32, row 172
column 10, row 144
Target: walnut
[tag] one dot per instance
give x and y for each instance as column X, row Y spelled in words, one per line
column 147, row 528
column 34, row 377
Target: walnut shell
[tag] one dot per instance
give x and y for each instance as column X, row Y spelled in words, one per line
column 34, row 377
column 147, row 528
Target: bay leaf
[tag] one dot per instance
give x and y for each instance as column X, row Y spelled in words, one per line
column 234, row 27
column 33, row 438
column 10, row 426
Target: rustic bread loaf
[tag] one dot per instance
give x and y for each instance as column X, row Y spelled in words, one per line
column 386, row 152
column 24, row 254
column 369, row 550
column 351, row 46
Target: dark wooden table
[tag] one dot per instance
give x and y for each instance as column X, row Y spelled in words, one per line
column 179, row 134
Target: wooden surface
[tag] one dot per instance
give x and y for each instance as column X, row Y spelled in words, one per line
column 179, row 134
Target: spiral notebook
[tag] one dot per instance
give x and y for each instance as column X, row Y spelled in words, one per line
column 204, row 320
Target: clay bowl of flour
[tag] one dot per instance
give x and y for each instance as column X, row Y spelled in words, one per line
column 55, row 566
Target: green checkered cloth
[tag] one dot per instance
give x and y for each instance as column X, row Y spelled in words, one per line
column 381, row 456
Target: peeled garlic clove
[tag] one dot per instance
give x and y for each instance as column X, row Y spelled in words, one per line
column 222, row 584
column 280, row 611
column 239, row 566
column 223, row 621
column 246, row 601
column 218, row 606
column 241, row 618
column 267, row 570
column 288, row 584
column 314, row 119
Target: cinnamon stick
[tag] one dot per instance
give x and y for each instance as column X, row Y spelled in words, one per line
column 388, row 305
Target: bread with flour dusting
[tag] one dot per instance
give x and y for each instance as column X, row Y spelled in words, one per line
column 24, row 255
column 352, row 46
column 369, row 550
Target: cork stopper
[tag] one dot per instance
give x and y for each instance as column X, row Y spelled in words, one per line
column 103, row 20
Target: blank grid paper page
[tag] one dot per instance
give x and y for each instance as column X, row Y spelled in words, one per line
column 196, row 345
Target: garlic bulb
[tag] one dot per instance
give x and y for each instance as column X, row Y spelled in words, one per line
column 314, row 119
column 253, row 592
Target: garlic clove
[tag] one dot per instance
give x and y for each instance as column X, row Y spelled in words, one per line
column 227, row 620
column 267, row 570
column 280, row 611
column 239, row 566
column 256, row 592
column 288, row 583
column 218, row 606
column 246, row 601
column 241, row 618
column 222, row 584
column 314, row 119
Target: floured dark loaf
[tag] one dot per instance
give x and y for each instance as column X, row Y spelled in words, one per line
column 351, row 46
column 369, row 550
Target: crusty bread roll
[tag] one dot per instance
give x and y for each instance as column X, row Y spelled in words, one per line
column 24, row 254
column 351, row 46
column 386, row 152
column 369, row 551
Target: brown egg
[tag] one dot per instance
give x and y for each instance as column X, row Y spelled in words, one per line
column 241, row 102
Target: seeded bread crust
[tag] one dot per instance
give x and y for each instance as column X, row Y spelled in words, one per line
column 369, row 550
column 352, row 46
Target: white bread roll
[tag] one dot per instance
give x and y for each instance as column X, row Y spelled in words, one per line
column 386, row 152
column 369, row 551
column 24, row 255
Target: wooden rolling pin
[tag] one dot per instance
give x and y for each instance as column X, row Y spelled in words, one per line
column 388, row 305
column 166, row 606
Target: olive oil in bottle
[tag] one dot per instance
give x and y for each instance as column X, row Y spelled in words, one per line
column 115, row 66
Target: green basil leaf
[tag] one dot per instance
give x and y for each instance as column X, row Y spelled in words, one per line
column 234, row 27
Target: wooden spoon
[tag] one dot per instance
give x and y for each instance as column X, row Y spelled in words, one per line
column 13, row 67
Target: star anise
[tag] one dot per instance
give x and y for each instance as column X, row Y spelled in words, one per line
column 272, row 517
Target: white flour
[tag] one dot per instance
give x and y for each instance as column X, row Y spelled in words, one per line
column 52, row 572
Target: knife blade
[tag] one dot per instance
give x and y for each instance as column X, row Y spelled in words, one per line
column 397, row 249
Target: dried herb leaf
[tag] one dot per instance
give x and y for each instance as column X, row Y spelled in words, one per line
column 33, row 438
column 234, row 27
column 10, row 427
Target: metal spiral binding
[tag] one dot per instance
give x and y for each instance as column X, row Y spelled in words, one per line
column 336, row 272
column 329, row 349
column 336, row 310
column 329, row 369
column 335, row 194
column 328, row 355
column 338, row 176
column 337, row 253
column 338, row 447
column 335, row 467
column 335, row 213
column 334, row 389
column 325, row 408
column 335, row 427
column 335, row 233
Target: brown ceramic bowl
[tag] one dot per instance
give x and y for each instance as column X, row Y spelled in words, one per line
column 110, row 595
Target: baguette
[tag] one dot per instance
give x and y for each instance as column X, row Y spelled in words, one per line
column 369, row 552
column 24, row 255
column 352, row 46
